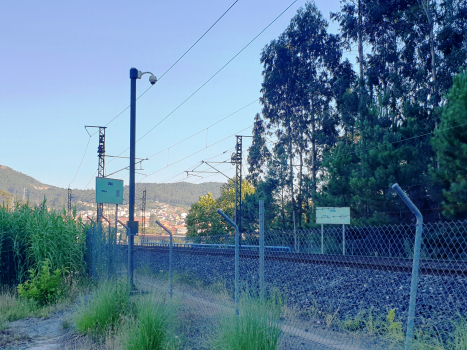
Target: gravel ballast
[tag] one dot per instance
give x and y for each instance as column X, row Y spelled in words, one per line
column 324, row 289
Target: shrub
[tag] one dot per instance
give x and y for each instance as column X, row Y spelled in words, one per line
column 43, row 287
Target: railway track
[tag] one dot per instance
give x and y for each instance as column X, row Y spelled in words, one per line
column 427, row 267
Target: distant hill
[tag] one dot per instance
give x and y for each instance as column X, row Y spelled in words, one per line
column 183, row 194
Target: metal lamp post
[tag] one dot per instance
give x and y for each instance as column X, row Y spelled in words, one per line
column 132, row 224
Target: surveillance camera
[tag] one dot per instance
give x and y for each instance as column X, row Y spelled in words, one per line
column 152, row 79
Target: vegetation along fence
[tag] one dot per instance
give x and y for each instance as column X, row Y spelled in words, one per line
column 329, row 288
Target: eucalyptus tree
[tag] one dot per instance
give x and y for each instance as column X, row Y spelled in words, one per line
column 450, row 144
column 297, row 93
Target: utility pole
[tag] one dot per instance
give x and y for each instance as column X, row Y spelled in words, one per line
column 69, row 201
column 143, row 209
column 132, row 224
column 237, row 160
column 101, row 165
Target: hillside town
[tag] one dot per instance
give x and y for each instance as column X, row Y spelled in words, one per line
column 170, row 216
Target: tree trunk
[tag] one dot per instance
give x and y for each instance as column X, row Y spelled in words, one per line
column 291, row 171
column 300, row 189
column 313, row 159
column 360, row 38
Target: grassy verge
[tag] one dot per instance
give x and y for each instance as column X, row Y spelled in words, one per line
column 151, row 327
column 108, row 306
column 111, row 316
column 256, row 327
column 13, row 308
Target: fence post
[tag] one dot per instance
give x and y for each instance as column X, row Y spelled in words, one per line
column 343, row 239
column 415, row 266
column 237, row 260
column 114, row 270
column 261, row 248
column 170, row 257
column 294, row 233
column 108, row 246
column 322, row 239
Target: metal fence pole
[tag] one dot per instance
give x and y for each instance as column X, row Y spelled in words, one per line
column 108, row 246
column 261, row 248
column 415, row 266
column 114, row 270
column 322, row 239
column 129, row 237
column 343, row 239
column 237, row 259
column 170, row 257
column 294, row 233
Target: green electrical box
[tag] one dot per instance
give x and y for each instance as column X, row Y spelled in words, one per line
column 109, row 190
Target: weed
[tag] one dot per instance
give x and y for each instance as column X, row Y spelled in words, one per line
column 393, row 328
column 330, row 318
column 29, row 235
column 352, row 324
column 109, row 304
column 256, row 327
column 150, row 328
column 65, row 324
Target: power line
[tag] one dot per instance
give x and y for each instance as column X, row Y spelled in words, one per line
column 195, row 153
column 199, row 132
column 212, row 77
column 197, row 40
column 173, row 65
column 183, row 172
column 81, row 163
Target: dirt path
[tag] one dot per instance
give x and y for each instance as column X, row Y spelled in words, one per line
column 36, row 333
column 296, row 334
column 199, row 312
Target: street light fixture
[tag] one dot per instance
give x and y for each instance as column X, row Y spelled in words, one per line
column 132, row 224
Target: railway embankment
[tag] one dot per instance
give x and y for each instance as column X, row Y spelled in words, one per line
column 323, row 289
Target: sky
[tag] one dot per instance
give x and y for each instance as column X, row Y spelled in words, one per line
column 65, row 64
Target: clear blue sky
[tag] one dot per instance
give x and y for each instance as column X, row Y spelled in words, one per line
column 65, row 64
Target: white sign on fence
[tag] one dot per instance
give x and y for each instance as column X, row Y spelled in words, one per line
column 333, row 215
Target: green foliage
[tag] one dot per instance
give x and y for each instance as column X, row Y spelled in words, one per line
column 150, row 329
column 394, row 328
column 108, row 305
column 42, row 286
column 29, row 235
column 450, row 144
column 342, row 139
column 203, row 219
column 256, row 327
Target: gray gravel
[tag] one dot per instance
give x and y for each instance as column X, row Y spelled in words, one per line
column 325, row 289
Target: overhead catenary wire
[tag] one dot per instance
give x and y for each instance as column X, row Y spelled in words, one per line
column 195, row 153
column 203, row 130
column 183, row 172
column 81, row 163
column 163, row 74
column 212, row 77
column 173, row 65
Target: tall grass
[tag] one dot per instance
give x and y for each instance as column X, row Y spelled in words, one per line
column 108, row 306
column 256, row 327
column 150, row 330
column 31, row 234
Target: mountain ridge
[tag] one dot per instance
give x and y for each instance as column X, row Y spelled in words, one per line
column 181, row 193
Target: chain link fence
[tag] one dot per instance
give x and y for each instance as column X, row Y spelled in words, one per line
column 326, row 288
